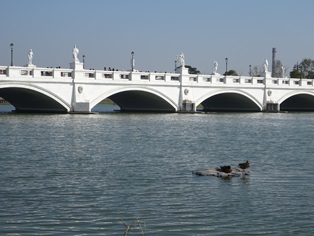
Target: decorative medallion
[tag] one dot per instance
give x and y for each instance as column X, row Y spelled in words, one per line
column 186, row 91
column 80, row 89
column 269, row 92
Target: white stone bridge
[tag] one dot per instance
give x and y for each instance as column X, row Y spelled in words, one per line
column 59, row 90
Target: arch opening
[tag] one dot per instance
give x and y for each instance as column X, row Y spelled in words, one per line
column 300, row 102
column 229, row 102
column 27, row 100
column 106, row 105
column 140, row 101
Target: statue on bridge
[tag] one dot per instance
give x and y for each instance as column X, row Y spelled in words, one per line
column 265, row 66
column 30, row 57
column 283, row 71
column 215, row 68
column 180, row 58
column 75, row 54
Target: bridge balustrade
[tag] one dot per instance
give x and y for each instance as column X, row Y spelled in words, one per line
column 90, row 75
column 207, row 79
column 159, row 77
column 124, row 76
column 260, row 81
column 35, row 72
column 107, row 75
column 248, row 81
column 175, row 78
column 145, row 77
column 65, row 74
column 46, row 73
column 28, row 72
column 3, row 71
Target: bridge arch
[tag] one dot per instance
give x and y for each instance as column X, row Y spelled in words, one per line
column 229, row 100
column 297, row 101
column 31, row 98
column 138, row 99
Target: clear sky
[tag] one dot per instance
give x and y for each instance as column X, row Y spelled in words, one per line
column 106, row 31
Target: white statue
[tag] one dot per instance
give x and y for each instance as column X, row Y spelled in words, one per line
column 283, row 70
column 30, row 57
column 180, row 58
column 215, row 68
column 265, row 65
column 75, row 54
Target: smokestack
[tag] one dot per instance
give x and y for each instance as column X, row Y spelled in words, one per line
column 273, row 68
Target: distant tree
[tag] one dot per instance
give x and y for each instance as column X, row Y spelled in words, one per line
column 303, row 70
column 192, row 70
column 231, row 72
column 295, row 73
column 255, row 71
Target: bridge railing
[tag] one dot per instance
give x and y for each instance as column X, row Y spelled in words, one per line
column 131, row 76
column 3, row 71
column 296, row 82
column 248, row 81
column 223, row 80
column 17, row 72
column 34, row 72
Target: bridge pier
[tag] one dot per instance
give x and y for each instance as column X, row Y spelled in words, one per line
column 81, row 107
column 185, row 98
column 188, row 106
column 272, row 107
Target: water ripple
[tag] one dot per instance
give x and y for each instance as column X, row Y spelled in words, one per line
column 83, row 175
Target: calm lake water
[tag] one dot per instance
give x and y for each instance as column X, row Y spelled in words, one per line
column 86, row 174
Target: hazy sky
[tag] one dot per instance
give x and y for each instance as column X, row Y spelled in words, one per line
column 106, row 32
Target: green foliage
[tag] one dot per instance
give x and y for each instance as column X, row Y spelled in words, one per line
column 255, row 71
column 303, row 70
column 193, row 70
column 295, row 73
column 231, row 72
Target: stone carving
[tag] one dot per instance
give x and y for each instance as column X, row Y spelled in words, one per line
column 215, row 68
column 75, row 54
column 265, row 65
column 30, row 57
column 180, row 58
column 283, row 71
column 80, row 89
column 186, row 91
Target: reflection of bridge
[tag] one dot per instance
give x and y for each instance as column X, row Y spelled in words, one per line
column 37, row 89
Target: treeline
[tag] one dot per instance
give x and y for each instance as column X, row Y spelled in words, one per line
column 304, row 69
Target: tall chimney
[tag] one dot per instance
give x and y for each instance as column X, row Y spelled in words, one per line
column 273, row 69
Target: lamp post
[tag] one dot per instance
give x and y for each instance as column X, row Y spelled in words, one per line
column 250, row 70
column 83, row 61
column 132, row 61
column 226, row 59
column 11, row 46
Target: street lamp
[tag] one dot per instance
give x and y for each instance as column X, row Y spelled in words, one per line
column 226, row 65
column 132, row 61
column 83, row 61
column 250, row 70
column 11, row 45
